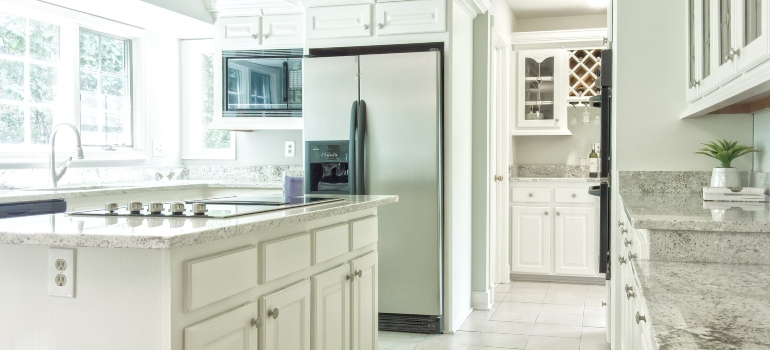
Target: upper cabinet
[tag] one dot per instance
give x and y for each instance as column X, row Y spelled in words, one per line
column 555, row 72
column 260, row 32
column 725, row 40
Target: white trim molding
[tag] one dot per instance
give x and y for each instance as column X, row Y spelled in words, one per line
column 566, row 39
column 482, row 300
column 474, row 7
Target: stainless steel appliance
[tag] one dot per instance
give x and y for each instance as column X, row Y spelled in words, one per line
column 217, row 208
column 388, row 108
column 262, row 83
column 327, row 165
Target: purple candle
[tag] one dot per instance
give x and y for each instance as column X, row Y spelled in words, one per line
column 292, row 184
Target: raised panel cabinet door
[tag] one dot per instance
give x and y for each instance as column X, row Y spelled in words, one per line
column 531, row 239
column 364, row 297
column 410, row 17
column 239, row 32
column 331, row 309
column 286, row 315
column 283, row 30
column 232, row 330
column 575, row 236
column 330, row 22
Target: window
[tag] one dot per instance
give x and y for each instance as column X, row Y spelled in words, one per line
column 199, row 142
column 29, row 68
column 105, row 89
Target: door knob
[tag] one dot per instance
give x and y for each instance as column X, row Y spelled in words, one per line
column 498, row 178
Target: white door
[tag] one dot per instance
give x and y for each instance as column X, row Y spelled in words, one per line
column 531, row 239
column 330, row 22
column 364, row 296
column 239, row 32
column 283, row 30
column 331, row 309
column 232, row 330
column 575, row 234
column 286, row 315
column 499, row 145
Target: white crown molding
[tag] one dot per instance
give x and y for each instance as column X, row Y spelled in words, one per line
column 474, row 7
column 559, row 38
column 239, row 8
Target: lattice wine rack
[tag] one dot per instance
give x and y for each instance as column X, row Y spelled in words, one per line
column 583, row 72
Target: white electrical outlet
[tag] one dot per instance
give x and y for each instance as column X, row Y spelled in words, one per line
column 158, row 149
column 289, row 149
column 61, row 272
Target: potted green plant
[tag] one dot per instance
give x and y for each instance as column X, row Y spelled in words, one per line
column 725, row 152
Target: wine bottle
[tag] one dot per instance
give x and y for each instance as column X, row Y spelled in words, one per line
column 593, row 163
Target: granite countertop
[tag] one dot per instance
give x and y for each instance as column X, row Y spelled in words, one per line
column 706, row 306
column 165, row 233
column 556, row 179
column 21, row 195
column 687, row 211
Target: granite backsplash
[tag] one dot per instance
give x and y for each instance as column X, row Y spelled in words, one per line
column 681, row 181
column 548, row 170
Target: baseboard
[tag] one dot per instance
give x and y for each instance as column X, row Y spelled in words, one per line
column 554, row 278
column 482, row 300
column 456, row 325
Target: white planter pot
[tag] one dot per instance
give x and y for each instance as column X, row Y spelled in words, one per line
column 725, row 177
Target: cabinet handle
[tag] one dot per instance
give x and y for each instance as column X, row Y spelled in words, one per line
column 349, row 277
column 265, row 36
column 556, row 120
column 622, row 260
column 630, row 294
column 545, row 213
column 254, row 36
column 530, row 195
column 629, row 288
column 574, row 195
column 272, row 313
column 621, row 223
column 366, row 26
column 631, row 256
column 640, row 318
column 604, row 303
column 255, row 322
column 626, row 242
column 558, row 213
column 380, row 25
column 359, row 273
column 623, row 230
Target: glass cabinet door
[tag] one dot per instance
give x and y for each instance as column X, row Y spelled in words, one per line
column 541, row 92
column 752, row 32
column 539, row 87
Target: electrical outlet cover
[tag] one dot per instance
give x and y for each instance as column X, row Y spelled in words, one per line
column 61, row 272
column 158, row 149
column 289, row 149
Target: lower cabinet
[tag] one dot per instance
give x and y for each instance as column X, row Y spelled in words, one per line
column 232, row 330
column 575, row 249
column 531, row 243
column 364, row 299
column 286, row 315
column 331, row 309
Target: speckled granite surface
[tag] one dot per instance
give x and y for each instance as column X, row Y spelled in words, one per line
column 760, row 179
column 685, row 211
column 164, row 233
column 706, row 306
column 548, row 171
column 710, row 247
column 556, row 179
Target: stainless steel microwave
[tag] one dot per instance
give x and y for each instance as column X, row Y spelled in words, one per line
column 262, row 83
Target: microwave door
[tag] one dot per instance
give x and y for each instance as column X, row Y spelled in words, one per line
column 256, row 84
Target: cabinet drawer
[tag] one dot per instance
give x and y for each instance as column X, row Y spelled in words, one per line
column 329, row 243
column 284, row 256
column 531, row 194
column 574, row 195
column 219, row 276
column 363, row 232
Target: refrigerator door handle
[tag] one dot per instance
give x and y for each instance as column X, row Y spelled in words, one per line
column 360, row 151
column 352, row 173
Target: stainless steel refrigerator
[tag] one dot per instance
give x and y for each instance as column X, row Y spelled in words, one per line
column 388, row 106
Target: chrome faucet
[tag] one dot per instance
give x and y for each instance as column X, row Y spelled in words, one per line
column 56, row 174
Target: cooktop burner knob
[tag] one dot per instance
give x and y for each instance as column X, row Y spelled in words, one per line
column 156, row 208
column 134, row 207
column 177, row 208
column 199, row 208
column 111, row 207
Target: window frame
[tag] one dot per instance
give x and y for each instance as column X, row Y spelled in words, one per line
column 194, row 48
column 70, row 22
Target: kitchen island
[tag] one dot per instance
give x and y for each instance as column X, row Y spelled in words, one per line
column 264, row 281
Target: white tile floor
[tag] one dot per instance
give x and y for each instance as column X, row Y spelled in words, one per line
column 526, row 315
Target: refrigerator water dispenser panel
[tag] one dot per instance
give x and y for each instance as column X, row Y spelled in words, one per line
column 327, row 167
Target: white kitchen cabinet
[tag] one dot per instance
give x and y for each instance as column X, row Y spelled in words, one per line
column 541, row 93
column 410, row 17
column 261, row 32
column 348, row 21
column 232, row 330
column 331, row 309
column 364, row 299
column 283, row 31
column 286, row 318
column 739, row 32
column 575, row 249
column 239, row 32
column 531, row 241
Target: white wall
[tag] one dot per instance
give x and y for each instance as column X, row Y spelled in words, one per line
column 560, row 23
column 558, row 149
column 262, row 147
column 762, row 141
column 504, row 21
column 650, row 94
column 194, row 9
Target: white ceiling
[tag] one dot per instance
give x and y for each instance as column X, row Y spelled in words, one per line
column 557, row 8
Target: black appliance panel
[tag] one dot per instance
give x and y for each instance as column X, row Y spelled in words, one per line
column 327, row 165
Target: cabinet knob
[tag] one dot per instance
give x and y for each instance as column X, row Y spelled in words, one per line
column 366, row 26
column 498, row 178
column 349, row 277
column 359, row 273
column 624, row 230
column 556, row 120
column 254, row 36
column 265, row 36
column 622, row 260
column 531, row 195
column 380, row 25
column 640, row 318
column 626, row 242
column 273, row 313
column 604, row 303
column 631, row 256
column 574, row 195
column 255, row 322
column 621, row 223
column 630, row 294
column 558, row 213
column 629, row 288
column 545, row 213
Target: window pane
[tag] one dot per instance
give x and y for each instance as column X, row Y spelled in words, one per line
column 13, row 35
column 89, row 50
column 212, row 139
column 41, row 121
column 112, row 85
column 11, row 124
column 113, row 55
column 43, row 41
column 42, row 82
column 11, row 80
